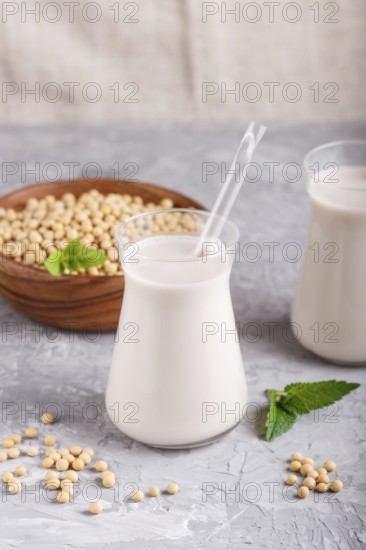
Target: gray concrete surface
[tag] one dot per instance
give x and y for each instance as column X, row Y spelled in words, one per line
column 39, row 367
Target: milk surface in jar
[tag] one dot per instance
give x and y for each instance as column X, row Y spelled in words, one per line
column 176, row 380
column 330, row 301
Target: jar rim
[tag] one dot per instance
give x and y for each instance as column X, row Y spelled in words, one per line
column 330, row 145
column 202, row 213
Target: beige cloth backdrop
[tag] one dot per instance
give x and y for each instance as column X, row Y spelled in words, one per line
column 161, row 55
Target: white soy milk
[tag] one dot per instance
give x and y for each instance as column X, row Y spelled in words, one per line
column 332, row 290
column 172, row 384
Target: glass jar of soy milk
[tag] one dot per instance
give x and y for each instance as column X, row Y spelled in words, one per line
column 175, row 381
column 330, row 301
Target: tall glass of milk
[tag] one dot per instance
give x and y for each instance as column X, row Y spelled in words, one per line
column 329, row 310
column 177, row 377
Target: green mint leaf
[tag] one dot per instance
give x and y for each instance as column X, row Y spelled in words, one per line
column 303, row 397
column 53, row 263
column 278, row 420
column 70, row 255
column 300, row 398
column 91, row 257
column 74, row 256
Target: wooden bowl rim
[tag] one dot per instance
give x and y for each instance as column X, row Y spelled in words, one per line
column 44, row 275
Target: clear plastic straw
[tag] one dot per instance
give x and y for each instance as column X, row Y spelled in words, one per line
column 231, row 187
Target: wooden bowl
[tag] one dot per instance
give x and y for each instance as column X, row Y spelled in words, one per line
column 82, row 302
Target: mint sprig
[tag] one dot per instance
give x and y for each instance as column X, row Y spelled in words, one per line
column 301, row 398
column 72, row 257
column 278, row 419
